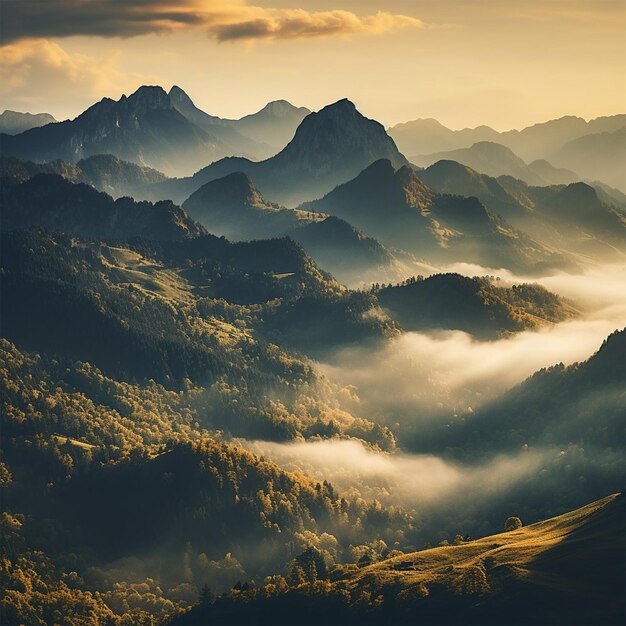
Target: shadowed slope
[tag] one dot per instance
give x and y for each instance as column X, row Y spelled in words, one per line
column 565, row 570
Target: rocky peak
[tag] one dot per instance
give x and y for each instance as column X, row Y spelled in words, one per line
column 179, row 96
column 148, row 98
column 338, row 136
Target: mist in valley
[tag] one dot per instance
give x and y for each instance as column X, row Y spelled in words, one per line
column 255, row 362
column 418, row 375
column 428, row 387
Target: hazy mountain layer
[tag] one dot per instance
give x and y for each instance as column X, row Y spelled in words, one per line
column 103, row 171
column 274, row 125
column 571, row 217
column 495, row 160
column 600, row 156
column 225, row 130
column 233, row 207
column 14, row 122
column 539, row 141
column 329, row 147
column 398, row 209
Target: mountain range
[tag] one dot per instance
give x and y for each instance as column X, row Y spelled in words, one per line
column 14, row 122
column 575, row 217
column 495, row 159
column 397, row 208
column 516, row 223
column 594, row 149
column 150, row 127
column 423, row 136
column 328, row 148
column 233, row 207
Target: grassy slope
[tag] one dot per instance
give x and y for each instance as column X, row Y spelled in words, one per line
column 543, row 553
column 565, row 570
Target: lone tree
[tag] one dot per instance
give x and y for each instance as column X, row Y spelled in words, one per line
column 206, row 595
column 512, row 523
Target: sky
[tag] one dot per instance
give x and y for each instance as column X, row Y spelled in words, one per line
column 504, row 63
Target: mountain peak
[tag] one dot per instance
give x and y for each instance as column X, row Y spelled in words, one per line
column 178, row 95
column 494, row 149
column 381, row 167
column 449, row 167
column 149, row 97
column 233, row 190
column 339, row 139
column 578, row 196
column 278, row 108
column 343, row 105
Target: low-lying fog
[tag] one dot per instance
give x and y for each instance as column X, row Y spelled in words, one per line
column 412, row 480
column 419, row 378
column 418, row 375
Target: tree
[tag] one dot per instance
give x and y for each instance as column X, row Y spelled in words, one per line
column 473, row 580
column 206, row 596
column 512, row 523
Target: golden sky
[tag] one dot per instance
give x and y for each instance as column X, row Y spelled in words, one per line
column 505, row 63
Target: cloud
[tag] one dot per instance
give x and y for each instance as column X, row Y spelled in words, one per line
column 300, row 24
column 410, row 480
column 224, row 20
column 417, row 377
column 43, row 67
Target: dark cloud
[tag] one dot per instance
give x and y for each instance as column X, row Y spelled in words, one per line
column 225, row 20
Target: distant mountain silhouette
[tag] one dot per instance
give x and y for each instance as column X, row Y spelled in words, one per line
column 51, row 202
column 494, row 159
column 551, row 174
column 258, row 135
column 329, row 148
column 398, row 209
column 539, row 141
column 14, row 122
column 543, row 140
column 600, row 156
column 274, row 125
column 426, row 136
column 144, row 128
column 235, row 143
